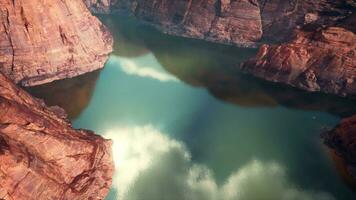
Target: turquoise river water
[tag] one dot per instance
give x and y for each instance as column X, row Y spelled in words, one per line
column 186, row 125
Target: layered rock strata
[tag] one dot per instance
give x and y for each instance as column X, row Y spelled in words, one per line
column 43, row 157
column 42, row 41
column 322, row 60
column 242, row 23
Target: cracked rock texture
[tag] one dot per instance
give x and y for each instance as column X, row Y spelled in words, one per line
column 42, row 41
column 43, row 157
column 241, row 23
column 343, row 140
column 322, row 60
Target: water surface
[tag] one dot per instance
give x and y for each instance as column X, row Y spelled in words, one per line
column 187, row 125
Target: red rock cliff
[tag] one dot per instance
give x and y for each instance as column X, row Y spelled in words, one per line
column 242, row 23
column 322, row 60
column 43, row 157
column 42, row 41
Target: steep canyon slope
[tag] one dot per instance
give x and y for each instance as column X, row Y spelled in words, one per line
column 242, row 23
column 43, row 157
column 42, row 41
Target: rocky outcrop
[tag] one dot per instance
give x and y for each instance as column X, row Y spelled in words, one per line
column 280, row 18
column 42, row 41
column 241, row 23
column 43, row 157
column 343, row 140
column 99, row 6
column 322, row 60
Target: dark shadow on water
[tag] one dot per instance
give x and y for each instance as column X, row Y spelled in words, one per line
column 73, row 95
column 215, row 67
column 196, row 63
column 127, row 40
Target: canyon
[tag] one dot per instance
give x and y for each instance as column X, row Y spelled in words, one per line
column 304, row 44
column 43, row 41
column 306, row 35
column 241, row 23
column 310, row 45
column 43, row 157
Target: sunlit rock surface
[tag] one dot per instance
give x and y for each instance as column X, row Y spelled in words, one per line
column 43, row 157
column 322, row 60
column 343, row 140
column 42, row 41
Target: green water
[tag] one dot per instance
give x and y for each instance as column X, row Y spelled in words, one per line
column 186, row 125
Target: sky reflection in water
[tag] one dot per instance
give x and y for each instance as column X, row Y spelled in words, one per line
column 152, row 166
column 174, row 141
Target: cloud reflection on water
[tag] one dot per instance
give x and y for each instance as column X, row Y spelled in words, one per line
column 144, row 66
column 152, row 166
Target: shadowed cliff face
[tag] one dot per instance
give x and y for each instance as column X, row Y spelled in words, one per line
column 242, row 23
column 342, row 139
column 43, row 157
column 314, row 59
column 232, row 86
column 42, row 41
column 216, row 70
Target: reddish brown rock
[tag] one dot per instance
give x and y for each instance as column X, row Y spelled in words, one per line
column 230, row 22
column 242, row 23
column 223, row 21
column 281, row 17
column 343, row 140
column 322, row 60
column 42, row 41
column 43, row 157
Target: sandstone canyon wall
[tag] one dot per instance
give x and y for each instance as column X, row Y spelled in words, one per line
column 42, row 41
column 43, row 157
column 319, row 49
column 241, row 23
column 322, row 60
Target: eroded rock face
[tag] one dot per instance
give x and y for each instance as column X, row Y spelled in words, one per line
column 225, row 21
column 322, row 60
column 235, row 22
column 281, row 17
column 343, row 140
column 43, row 157
column 241, row 23
column 42, row 41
